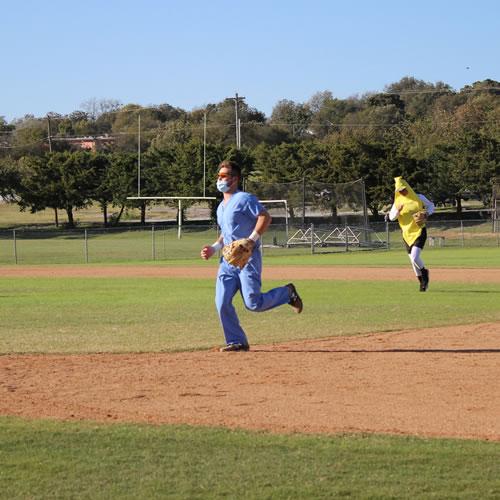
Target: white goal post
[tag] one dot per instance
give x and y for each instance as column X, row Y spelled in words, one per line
column 206, row 198
column 285, row 203
column 178, row 198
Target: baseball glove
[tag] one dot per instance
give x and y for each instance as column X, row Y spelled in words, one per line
column 238, row 252
column 420, row 217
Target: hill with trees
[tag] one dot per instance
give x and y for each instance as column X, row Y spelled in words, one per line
column 445, row 142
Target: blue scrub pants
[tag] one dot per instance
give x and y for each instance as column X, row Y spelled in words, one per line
column 230, row 279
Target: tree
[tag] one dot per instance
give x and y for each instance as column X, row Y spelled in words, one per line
column 96, row 107
column 39, row 186
column 57, row 180
column 221, row 122
column 293, row 117
column 170, row 133
column 154, row 121
column 4, row 126
column 220, row 125
column 9, row 178
column 280, row 163
column 121, row 181
column 176, row 169
column 30, row 136
column 417, row 96
column 360, row 157
column 77, row 123
column 329, row 113
column 102, row 191
column 380, row 113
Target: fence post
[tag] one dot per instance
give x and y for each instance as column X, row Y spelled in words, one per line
column 153, row 245
column 179, row 222
column 86, row 247
column 346, row 237
column 462, row 232
column 15, row 245
column 387, row 235
column 312, row 239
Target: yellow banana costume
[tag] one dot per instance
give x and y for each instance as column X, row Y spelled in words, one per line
column 411, row 205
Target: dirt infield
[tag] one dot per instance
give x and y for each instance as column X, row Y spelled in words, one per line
column 270, row 272
column 430, row 382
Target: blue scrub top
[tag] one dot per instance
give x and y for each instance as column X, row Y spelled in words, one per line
column 238, row 217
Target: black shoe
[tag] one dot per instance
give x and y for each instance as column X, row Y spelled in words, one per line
column 425, row 278
column 295, row 300
column 235, row 347
column 422, row 283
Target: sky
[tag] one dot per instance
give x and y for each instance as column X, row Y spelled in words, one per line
column 189, row 53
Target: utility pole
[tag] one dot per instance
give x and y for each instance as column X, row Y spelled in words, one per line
column 49, row 135
column 237, row 122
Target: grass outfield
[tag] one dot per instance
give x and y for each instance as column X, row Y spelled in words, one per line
column 484, row 257
column 148, row 314
column 44, row 459
column 112, row 245
column 12, row 216
column 116, row 245
column 188, row 251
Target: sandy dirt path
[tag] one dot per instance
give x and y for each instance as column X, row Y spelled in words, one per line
column 270, row 272
column 432, row 382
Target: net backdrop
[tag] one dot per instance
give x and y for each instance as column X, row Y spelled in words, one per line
column 496, row 204
column 343, row 203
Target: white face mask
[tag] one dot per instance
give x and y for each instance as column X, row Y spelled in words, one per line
column 222, row 185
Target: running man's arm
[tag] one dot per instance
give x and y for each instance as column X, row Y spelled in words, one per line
column 263, row 221
column 208, row 250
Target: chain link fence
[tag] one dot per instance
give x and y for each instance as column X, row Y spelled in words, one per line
column 96, row 245
column 323, row 238
column 168, row 243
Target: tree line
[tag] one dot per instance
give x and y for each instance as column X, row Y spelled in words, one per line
column 446, row 143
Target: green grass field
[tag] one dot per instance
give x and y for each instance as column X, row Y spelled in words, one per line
column 43, row 459
column 163, row 246
column 114, row 245
column 150, row 314
column 12, row 216
column 433, row 257
column 50, row 459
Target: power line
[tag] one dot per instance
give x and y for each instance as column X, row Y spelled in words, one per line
column 115, row 135
column 197, row 126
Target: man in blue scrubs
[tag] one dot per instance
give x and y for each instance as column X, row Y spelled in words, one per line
column 241, row 215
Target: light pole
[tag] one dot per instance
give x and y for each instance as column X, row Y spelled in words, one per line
column 49, row 136
column 204, row 151
column 139, row 156
column 205, row 116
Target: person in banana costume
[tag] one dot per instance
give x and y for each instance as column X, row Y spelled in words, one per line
column 411, row 210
